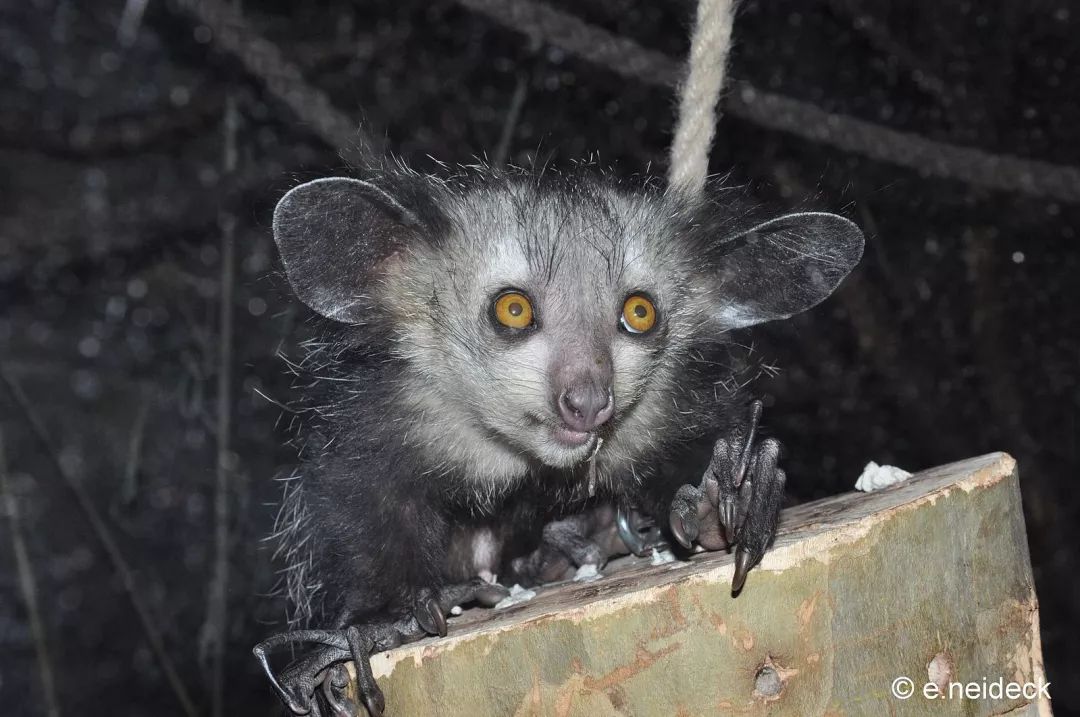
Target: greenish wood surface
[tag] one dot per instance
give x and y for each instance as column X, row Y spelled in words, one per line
column 858, row 591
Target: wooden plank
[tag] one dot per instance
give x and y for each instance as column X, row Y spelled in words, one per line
column 927, row 578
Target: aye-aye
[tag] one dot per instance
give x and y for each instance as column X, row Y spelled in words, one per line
column 505, row 351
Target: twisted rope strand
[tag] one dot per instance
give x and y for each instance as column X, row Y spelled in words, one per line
column 699, row 95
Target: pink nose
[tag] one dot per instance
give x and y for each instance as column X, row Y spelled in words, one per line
column 586, row 406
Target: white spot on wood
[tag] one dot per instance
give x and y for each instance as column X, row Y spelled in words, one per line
column 517, row 595
column 875, row 477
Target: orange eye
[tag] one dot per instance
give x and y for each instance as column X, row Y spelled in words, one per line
column 638, row 314
column 513, row 310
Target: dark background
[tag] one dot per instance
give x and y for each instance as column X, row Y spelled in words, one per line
column 957, row 335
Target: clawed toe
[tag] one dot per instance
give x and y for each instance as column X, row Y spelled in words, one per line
column 476, row 590
column 319, row 679
column 737, row 504
column 334, row 684
column 431, row 615
column 743, row 562
column 685, row 517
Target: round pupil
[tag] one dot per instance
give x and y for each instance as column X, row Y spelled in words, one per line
column 515, row 309
column 640, row 311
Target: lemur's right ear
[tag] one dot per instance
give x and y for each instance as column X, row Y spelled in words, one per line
column 334, row 234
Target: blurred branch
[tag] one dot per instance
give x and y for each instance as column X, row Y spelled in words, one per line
column 127, row 29
column 546, row 25
column 217, row 601
column 28, row 586
column 513, row 114
column 130, row 487
column 105, row 539
column 991, row 337
column 785, row 114
column 879, row 37
column 875, row 243
column 281, row 78
column 993, row 344
column 149, row 241
column 111, row 136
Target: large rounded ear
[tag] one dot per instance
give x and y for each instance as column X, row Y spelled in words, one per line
column 783, row 267
column 334, row 234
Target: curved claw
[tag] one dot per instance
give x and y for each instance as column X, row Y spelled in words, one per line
column 628, row 533
column 370, row 694
column 681, row 531
column 431, row 618
column 374, row 704
column 738, row 502
column 743, row 562
column 490, row 594
column 483, row 592
column 333, row 644
column 688, row 507
column 334, row 682
column 727, row 518
column 299, row 707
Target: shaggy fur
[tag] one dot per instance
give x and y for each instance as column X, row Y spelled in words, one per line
column 428, row 450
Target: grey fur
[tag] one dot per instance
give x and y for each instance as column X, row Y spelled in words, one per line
column 410, row 264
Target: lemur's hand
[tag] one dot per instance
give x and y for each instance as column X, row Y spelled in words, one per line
column 592, row 537
column 738, row 500
column 323, row 671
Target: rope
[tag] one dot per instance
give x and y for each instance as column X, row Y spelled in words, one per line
column 282, row 79
column 777, row 112
column 699, row 95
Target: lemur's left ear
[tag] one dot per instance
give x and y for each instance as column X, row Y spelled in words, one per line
column 335, row 236
column 783, row 267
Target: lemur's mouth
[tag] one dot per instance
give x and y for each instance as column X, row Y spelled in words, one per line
column 571, row 438
column 566, row 437
column 575, row 439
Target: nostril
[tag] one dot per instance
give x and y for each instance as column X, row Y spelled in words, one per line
column 569, row 406
column 606, row 412
column 586, row 408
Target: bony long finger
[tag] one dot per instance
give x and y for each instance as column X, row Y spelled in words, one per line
column 370, row 694
column 756, row 409
column 758, row 529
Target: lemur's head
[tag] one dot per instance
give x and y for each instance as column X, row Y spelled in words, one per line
column 539, row 318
